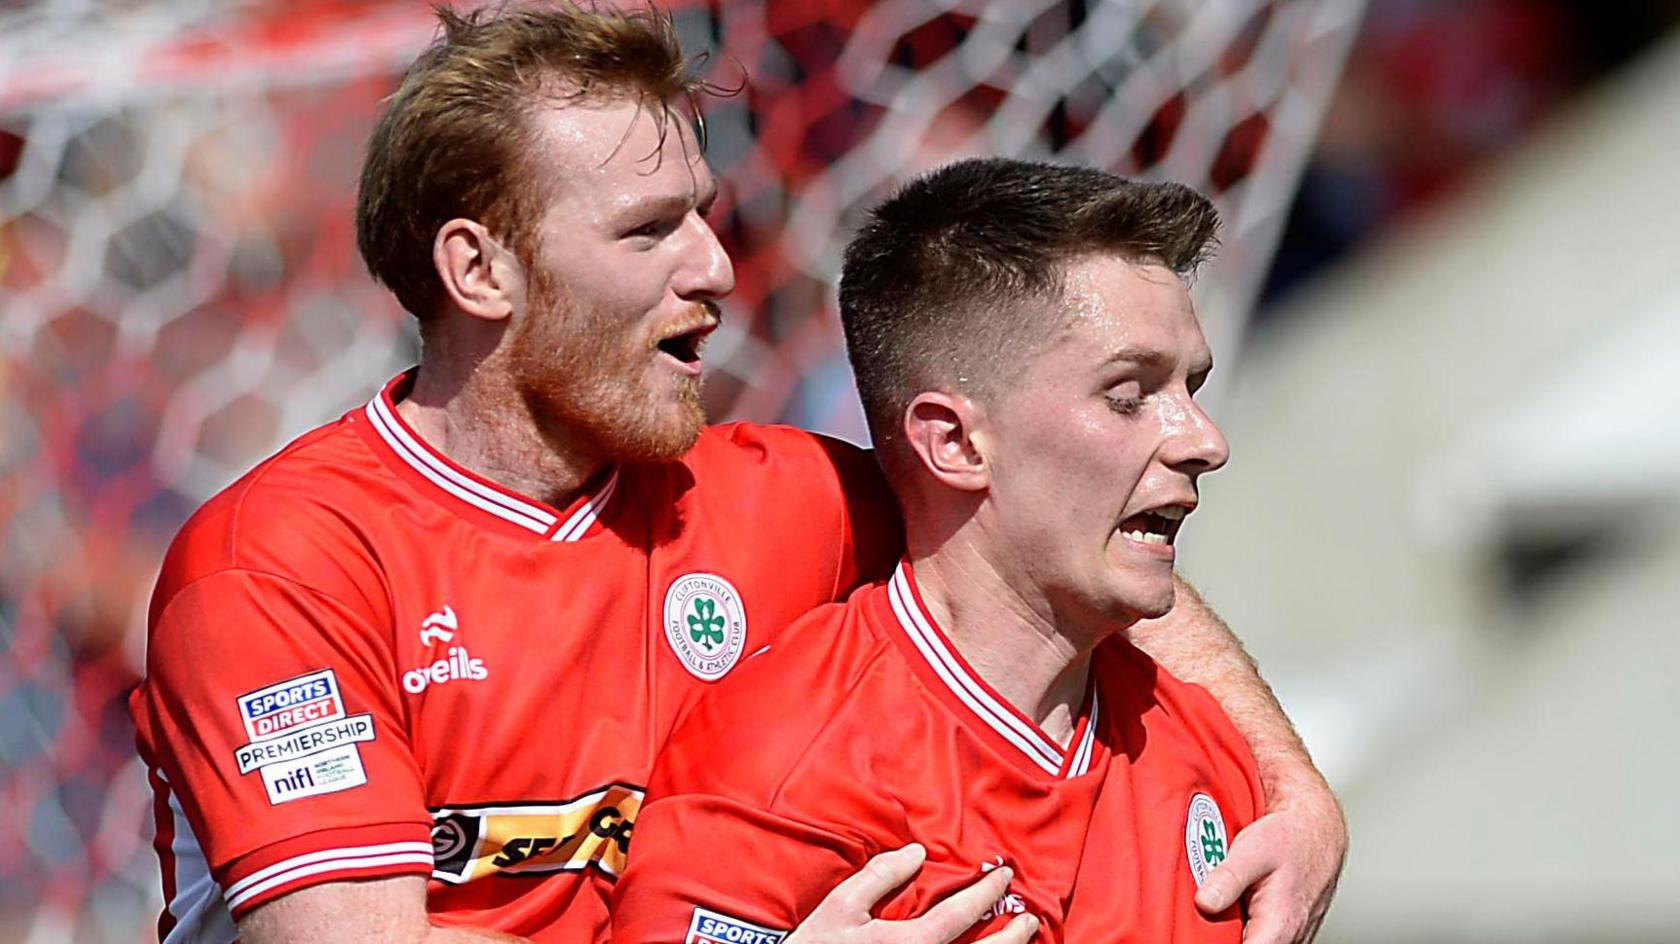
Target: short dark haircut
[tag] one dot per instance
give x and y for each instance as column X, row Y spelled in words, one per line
column 967, row 263
column 454, row 139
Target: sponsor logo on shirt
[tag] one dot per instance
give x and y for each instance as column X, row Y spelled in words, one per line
column 591, row 831
column 1204, row 837
column 302, row 743
column 712, row 927
column 457, row 664
column 439, row 627
column 327, row 772
column 706, row 624
column 294, row 703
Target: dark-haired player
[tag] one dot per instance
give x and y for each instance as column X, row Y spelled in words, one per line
column 1028, row 359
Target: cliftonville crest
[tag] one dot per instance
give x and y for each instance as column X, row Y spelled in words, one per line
column 705, row 624
column 1204, row 837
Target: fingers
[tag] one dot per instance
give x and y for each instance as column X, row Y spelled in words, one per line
column 1247, row 864
column 1018, row 931
column 846, row 909
column 947, row 920
column 1285, row 864
column 879, row 876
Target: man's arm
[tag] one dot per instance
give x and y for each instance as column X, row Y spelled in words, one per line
column 1289, row 860
column 380, row 911
column 270, row 728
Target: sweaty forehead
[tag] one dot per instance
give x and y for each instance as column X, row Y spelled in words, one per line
column 619, row 149
column 1110, row 303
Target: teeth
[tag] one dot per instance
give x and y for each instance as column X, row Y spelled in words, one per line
column 1144, row 537
column 1170, row 512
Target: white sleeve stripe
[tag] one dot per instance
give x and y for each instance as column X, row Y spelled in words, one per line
column 336, row 865
column 238, row 890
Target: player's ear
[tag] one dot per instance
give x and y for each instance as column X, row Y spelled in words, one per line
column 482, row 277
column 941, row 430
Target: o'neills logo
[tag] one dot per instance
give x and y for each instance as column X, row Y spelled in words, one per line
column 459, row 665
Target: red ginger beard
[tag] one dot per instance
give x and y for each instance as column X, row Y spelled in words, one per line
column 585, row 374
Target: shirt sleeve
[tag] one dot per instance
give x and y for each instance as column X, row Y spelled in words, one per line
column 271, row 713
column 705, row 869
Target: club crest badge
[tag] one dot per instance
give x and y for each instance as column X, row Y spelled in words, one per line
column 706, row 624
column 1204, row 837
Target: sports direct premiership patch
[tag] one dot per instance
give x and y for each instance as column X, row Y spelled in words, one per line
column 705, row 624
column 294, row 703
column 302, row 743
column 1204, row 837
column 710, row 927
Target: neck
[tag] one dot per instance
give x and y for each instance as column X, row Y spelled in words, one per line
column 1013, row 642
column 474, row 415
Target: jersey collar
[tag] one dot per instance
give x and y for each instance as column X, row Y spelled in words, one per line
column 462, row 485
column 977, row 697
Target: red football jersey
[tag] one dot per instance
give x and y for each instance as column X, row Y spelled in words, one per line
column 863, row 729
column 367, row 661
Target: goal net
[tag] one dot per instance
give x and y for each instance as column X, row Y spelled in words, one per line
column 180, row 292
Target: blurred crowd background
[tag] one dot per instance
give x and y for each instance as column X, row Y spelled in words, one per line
column 1447, row 317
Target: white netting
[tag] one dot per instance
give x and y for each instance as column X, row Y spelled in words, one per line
column 179, row 290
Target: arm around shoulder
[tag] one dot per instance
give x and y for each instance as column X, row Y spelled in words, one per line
column 1288, row 861
column 1193, row 643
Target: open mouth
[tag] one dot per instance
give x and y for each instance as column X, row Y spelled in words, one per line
column 685, row 346
column 1154, row 527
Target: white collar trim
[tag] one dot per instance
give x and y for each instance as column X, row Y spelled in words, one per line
column 918, row 625
column 502, row 504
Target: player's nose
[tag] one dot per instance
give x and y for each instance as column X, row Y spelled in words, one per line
column 707, row 271
column 1197, row 444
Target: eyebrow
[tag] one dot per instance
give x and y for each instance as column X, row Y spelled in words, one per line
column 1139, row 356
column 1147, row 357
column 670, row 203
